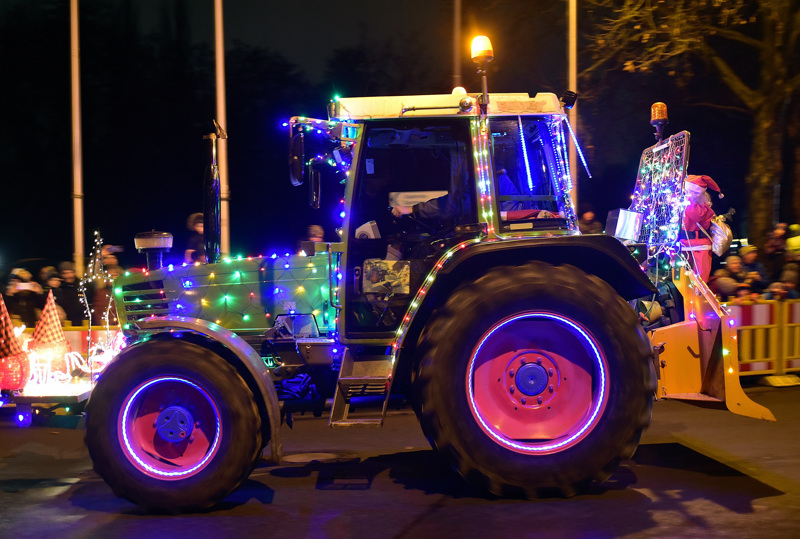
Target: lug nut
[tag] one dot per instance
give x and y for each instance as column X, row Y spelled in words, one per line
column 550, row 372
column 550, row 389
column 539, row 400
column 523, row 400
column 511, row 389
column 511, row 373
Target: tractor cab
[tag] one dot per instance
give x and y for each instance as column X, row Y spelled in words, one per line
column 457, row 174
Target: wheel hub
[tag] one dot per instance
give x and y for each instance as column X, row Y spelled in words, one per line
column 531, row 379
column 174, row 424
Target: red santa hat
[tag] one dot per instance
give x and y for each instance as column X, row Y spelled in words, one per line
column 699, row 184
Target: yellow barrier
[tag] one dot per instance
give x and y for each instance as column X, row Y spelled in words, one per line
column 791, row 336
column 768, row 332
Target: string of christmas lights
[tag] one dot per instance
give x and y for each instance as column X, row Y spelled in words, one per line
column 658, row 196
column 235, row 293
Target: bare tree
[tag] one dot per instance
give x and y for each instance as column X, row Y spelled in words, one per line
column 753, row 46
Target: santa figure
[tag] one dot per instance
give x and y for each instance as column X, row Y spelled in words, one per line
column 697, row 217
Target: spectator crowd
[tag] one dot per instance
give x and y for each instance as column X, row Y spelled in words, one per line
column 751, row 274
column 25, row 294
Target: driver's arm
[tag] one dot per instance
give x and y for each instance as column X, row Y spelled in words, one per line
column 437, row 208
column 399, row 211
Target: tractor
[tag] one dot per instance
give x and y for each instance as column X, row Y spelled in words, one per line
column 462, row 285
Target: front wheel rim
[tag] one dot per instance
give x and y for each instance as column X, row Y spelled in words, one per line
column 154, row 448
column 537, row 382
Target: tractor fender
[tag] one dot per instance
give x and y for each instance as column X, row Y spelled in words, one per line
column 597, row 254
column 239, row 353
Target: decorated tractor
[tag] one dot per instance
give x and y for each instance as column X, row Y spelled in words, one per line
column 461, row 284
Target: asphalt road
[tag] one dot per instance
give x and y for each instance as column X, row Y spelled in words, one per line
column 698, row 473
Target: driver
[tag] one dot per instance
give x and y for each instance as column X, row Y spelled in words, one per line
column 437, row 208
column 444, row 207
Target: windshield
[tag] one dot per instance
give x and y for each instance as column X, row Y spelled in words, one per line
column 425, row 166
column 531, row 174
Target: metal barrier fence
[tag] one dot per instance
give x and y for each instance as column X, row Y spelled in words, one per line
column 768, row 333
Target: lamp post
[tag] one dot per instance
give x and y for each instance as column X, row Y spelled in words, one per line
column 222, row 120
column 77, row 146
column 456, row 43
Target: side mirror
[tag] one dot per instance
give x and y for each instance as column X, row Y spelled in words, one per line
column 315, row 184
column 297, row 159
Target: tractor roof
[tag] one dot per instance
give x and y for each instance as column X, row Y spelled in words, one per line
column 455, row 104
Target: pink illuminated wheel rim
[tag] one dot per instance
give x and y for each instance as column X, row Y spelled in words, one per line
column 169, row 427
column 537, row 383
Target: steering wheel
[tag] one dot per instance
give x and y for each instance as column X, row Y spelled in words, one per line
column 408, row 224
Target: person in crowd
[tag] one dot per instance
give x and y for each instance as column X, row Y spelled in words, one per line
column 107, row 258
column 23, row 297
column 722, row 284
column 587, row 222
column 734, row 269
column 793, row 243
column 103, row 310
column 790, row 278
column 731, row 279
column 775, row 251
column 744, row 293
column 44, row 272
column 70, row 296
column 696, row 222
column 315, row 233
column 195, row 246
column 53, row 283
column 755, row 271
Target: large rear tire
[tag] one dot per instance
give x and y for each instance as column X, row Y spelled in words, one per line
column 535, row 380
column 172, row 427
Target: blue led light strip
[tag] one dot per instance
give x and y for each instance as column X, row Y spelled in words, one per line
column 597, row 407
column 525, row 154
column 577, row 146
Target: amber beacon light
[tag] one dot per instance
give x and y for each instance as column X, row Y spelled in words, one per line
column 658, row 118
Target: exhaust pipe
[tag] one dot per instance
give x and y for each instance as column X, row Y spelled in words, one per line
column 212, row 227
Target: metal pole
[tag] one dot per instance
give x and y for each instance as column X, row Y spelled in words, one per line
column 222, row 120
column 572, row 84
column 77, row 147
column 457, row 43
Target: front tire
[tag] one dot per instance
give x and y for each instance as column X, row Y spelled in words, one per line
column 172, row 427
column 535, row 380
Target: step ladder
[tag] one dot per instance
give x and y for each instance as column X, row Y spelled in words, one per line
column 366, row 374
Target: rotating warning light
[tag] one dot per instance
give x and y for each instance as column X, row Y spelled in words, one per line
column 482, row 50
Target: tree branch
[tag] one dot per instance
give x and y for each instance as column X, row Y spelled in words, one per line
column 722, row 107
column 794, row 33
column 749, row 97
column 733, row 35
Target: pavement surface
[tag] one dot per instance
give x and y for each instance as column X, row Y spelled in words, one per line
column 698, row 472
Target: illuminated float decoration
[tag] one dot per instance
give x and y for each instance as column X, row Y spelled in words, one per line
column 14, row 364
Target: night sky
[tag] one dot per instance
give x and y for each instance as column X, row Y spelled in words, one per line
column 148, row 99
